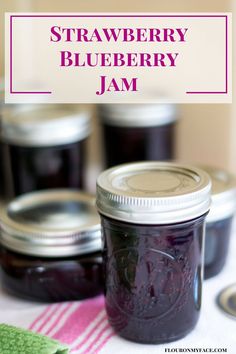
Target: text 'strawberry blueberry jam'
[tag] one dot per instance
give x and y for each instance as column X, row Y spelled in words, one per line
column 137, row 132
column 153, row 221
column 219, row 220
column 46, row 148
column 51, row 246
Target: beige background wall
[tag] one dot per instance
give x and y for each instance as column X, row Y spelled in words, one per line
column 206, row 133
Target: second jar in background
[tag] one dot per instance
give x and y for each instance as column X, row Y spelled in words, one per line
column 137, row 132
column 219, row 220
column 46, row 148
column 51, row 246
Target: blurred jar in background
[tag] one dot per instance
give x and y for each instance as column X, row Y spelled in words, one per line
column 1, row 149
column 5, row 184
column 137, row 132
column 46, row 147
column 59, row 258
column 219, row 220
column 4, row 169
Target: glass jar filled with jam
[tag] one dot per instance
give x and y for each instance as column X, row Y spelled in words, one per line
column 153, row 220
column 5, row 169
column 46, row 148
column 6, row 110
column 137, row 132
column 219, row 220
column 51, row 246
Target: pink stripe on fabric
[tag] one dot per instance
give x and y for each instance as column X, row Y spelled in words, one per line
column 40, row 317
column 90, row 333
column 79, row 320
column 88, row 350
column 58, row 318
column 106, row 339
column 48, row 317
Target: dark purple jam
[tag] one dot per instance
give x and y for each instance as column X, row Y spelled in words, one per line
column 52, row 279
column 37, row 168
column 216, row 246
column 129, row 144
column 153, row 278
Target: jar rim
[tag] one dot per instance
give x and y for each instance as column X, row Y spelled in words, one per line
column 153, row 192
column 138, row 115
column 45, row 126
column 223, row 193
column 51, row 224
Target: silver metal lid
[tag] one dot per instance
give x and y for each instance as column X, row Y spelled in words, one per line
column 55, row 223
column 226, row 300
column 137, row 115
column 153, row 192
column 47, row 126
column 223, row 193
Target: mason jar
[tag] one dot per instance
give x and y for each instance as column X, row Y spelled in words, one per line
column 219, row 220
column 5, row 170
column 137, row 132
column 46, row 148
column 51, row 246
column 2, row 168
column 153, row 221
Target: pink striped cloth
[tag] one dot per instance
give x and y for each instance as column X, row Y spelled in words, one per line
column 83, row 326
